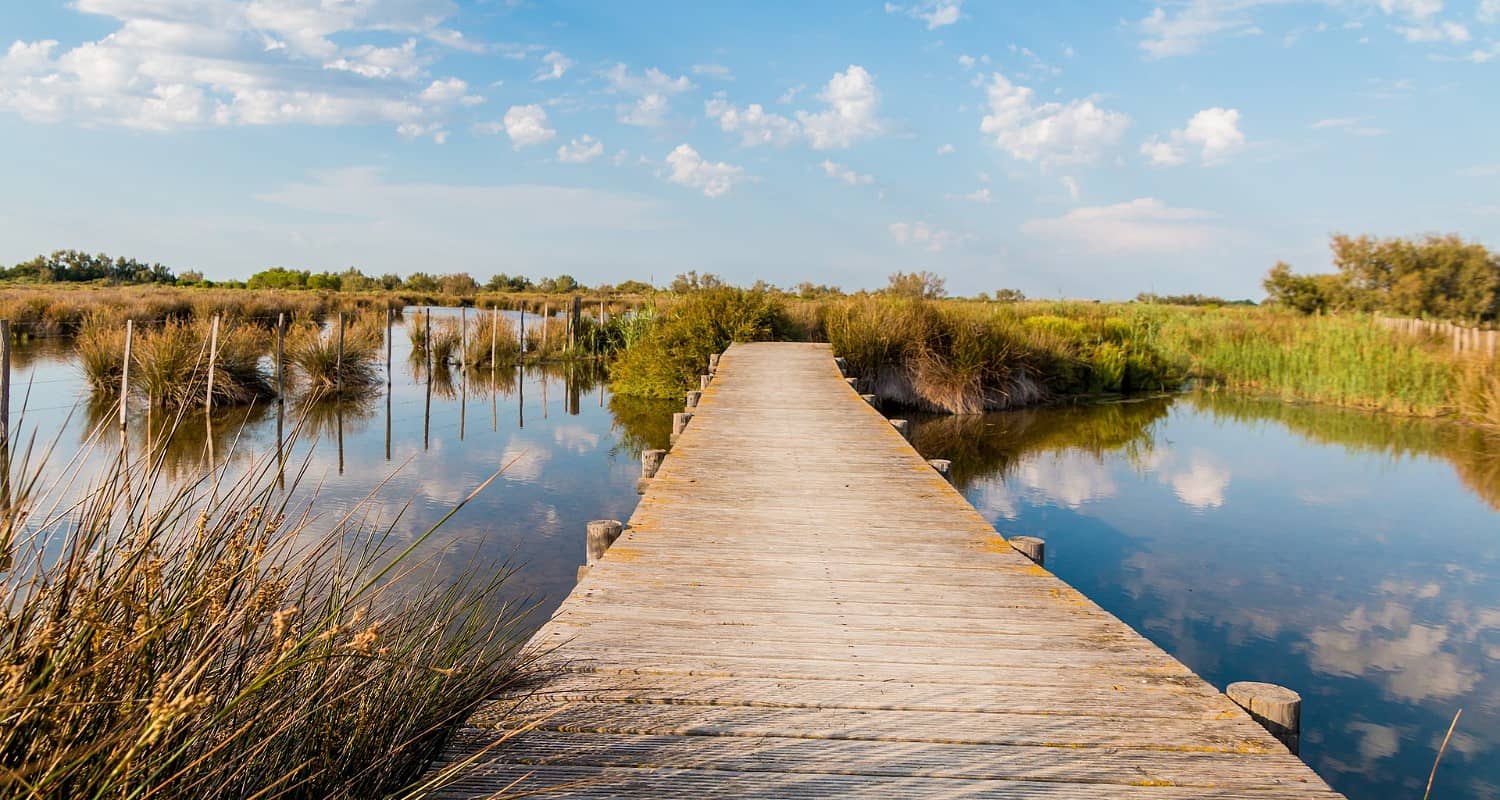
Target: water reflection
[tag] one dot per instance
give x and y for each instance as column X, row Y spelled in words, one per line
column 1350, row 556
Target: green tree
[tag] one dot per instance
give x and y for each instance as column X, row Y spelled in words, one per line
column 278, row 278
column 458, row 283
column 421, row 282
column 921, row 285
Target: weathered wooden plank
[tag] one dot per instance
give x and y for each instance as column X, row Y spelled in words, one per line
column 802, row 606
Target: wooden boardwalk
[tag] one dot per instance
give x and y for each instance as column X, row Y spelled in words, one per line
column 801, row 607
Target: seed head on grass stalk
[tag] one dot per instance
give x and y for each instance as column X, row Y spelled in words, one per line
column 213, row 642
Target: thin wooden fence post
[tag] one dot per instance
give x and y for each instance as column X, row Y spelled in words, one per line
column 546, row 319
column 281, row 358
column 390, row 316
column 494, row 336
column 521, row 332
column 427, row 342
column 5, row 394
column 1277, row 708
column 463, row 335
column 213, row 357
column 125, row 371
column 338, row 367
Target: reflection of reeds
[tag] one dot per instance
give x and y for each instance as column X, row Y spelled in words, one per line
column 207, row 640
column 315, row 353
column 442, row 381
column 985, row 445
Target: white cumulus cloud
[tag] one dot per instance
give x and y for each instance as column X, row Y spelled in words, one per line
column 1213, row 132
column 936, row 13
column 713, row 178
column 754, row 124
column 581, row 150
column 1075, row 132
column 925, row 235
column 852, row 113
column 527, row 125
column 845, row 174
column 557, row 65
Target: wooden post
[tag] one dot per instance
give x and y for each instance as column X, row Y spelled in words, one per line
column 942, row 465
column 853, row 383
column 573, row 320
column 281, row 355
column 870, row 398
column 680, row 422
column 463, row 335
column 494, row 337
column 1277, row 708
column 213, row 355
column 125, row 371
column 601, row 534
column 390, row 316
column 842, row 365
column 338, row 367
column 427, row 342
column 1489, row 348
column 704, row 381
column 713, row 363
column 5, row 395
column 902, row 426
column 692, row 400
column 651, row 462
column 1031, row 547
column 521, row 334
column 546, row 317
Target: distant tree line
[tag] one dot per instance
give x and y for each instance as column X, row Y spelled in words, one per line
column 1152, row 298
column 76, row 266
column 1441, row 277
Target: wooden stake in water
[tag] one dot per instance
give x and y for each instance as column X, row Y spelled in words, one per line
column 5, row 420
column 521, row 336
column 427, row 343
column 125, row 371
column 463, row 335
column 494, row 337
column 546, row 318
column 213, row 357
column 338, row 367
column 390, row 316
column 280, row 359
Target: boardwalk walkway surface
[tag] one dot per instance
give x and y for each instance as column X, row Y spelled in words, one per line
column 802, row 607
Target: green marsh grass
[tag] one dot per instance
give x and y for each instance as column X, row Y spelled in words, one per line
column 492, row 341
column 189, row 639
column 671, row 348
column 170, row 363
column 313, row 352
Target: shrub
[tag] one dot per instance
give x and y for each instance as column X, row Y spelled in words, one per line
column 667, row 359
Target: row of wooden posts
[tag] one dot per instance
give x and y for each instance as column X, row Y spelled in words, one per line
column 1277, row 708
column 1465, row 340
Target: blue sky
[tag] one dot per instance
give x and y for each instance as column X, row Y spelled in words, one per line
column 1080, row 149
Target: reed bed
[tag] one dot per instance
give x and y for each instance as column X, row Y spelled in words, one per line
column 50, row 311
column 327, row 370
column 492, row 342
column 671, row 348
column 194, row 638
column 170, row 365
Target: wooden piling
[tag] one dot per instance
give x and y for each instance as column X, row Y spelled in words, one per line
column 213, row 356
column 338, row 364
column 853, row 383
column 651, row 462
column 1031, row 547
column 125, row 372
column 713, row 363
column 842, row 364
column 870, row 398
column 902, row 427
column 942, row 465
column 679, row 423
column 281, row 355
column 692, row 400
column 601, row 534
column 704, row 381
column 1277, row 708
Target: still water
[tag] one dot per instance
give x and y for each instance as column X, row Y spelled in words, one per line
column 1355, row 558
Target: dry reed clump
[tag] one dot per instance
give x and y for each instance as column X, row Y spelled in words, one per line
column 1478, row 393
column 100, row 345
column 314, row 354
column 492, row 342
column 170, row 365
column 445, row 341
column 210, row 643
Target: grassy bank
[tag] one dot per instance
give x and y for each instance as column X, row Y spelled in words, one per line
column 184, row 639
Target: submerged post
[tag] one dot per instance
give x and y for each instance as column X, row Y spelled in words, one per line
column 601, row 534
column 125, row 371
column 1031, row 547
column 1277, row 708
column 902, row 427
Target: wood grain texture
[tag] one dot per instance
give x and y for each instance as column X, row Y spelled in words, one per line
column 801, row 606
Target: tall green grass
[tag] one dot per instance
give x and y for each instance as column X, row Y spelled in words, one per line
column 670, row 349
column 189, row 639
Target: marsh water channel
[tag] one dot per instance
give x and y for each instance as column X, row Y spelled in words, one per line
column 1354, row 558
